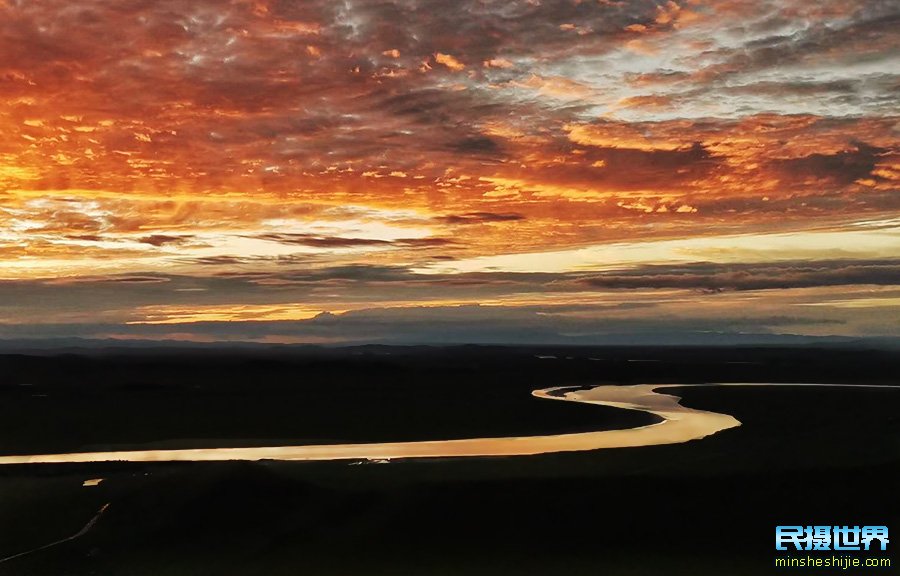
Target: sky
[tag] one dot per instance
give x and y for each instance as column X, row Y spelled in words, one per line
column 346, row 171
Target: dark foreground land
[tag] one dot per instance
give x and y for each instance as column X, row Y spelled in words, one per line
column 802, row 456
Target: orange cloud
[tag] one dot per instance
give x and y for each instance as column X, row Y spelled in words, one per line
column 449, row 61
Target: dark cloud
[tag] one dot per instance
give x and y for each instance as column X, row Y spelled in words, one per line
column 342, row 242
column 322, row 241
column 114, row 279
column 842, row 167
column 136, row 279
column 807, row 88
column 218, row 261
column 476, row 145
column 481, row 217
column 717, row 277
column 163, row 239
column 86, row 237
column 354, row 272
column 423, row 242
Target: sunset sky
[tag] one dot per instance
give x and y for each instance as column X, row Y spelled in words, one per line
column 341, row 171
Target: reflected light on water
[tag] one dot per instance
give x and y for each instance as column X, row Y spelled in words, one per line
column 679, row 424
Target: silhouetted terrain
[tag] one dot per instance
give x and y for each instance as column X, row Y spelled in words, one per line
column 802, row 455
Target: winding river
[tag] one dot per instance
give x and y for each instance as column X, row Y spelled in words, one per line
column 677, row 424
